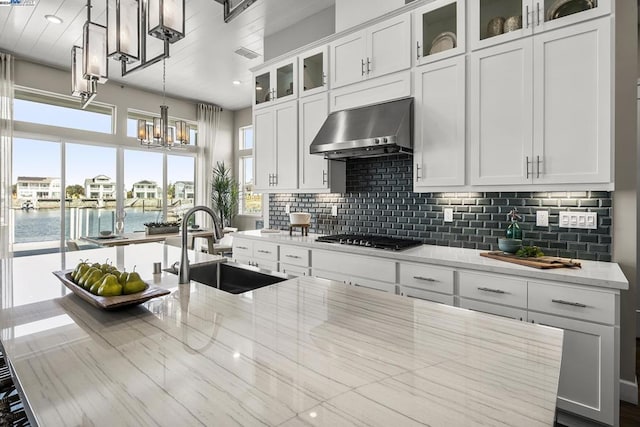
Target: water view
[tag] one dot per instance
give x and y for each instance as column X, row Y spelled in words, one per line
column 44, row 224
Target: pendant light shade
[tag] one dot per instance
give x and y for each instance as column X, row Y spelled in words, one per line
column 182, row 132
column 79, row 85
column 166, row 19
column 94, row 45
column 123, row 28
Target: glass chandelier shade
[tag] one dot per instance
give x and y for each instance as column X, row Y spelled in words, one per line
column 94, row 45
column 166, row 19
column 182, row 132
column 79, row 85
column 123, row 30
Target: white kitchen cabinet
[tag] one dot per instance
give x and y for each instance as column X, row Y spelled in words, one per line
column 255, row 253
column 316, row 173
column 314, row 71
column 493, row 288
column 381, row 49
column 275, row 84
column 439, row 111
column 495, row 309
column 418, row 293
column 590, row 370
column 361, row 271
column 276, row 147
column 383, row 89
column 439, row 30
column 540, row 108
column 537, row 16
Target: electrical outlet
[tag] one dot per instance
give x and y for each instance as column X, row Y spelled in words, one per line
column 287, row 208
column 448, row 214
column 587, row 220
column 334, row 210
column 542, row 218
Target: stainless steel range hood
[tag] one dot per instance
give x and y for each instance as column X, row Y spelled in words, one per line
column 371, row 131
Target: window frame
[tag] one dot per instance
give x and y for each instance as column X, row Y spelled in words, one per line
column 244, row 153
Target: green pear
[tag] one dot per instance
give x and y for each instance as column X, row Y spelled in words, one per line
column 122, row 278
column 75, row 270
column 94, row 277
column 110, row 286
column 86, row 275
column 134, row 284
column 80, row 272
column 96, row 265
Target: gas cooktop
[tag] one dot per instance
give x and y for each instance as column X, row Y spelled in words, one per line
column 370, row 241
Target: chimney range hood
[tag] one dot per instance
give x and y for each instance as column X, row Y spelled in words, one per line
column 375, row 130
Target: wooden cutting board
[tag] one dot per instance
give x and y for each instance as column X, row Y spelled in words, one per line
column 539, row 262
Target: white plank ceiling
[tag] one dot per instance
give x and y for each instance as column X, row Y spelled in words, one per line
column 202, row 66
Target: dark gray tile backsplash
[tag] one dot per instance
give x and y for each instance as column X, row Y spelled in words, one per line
column 380, row 200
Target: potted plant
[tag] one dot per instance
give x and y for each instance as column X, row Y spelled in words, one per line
column 224, row 193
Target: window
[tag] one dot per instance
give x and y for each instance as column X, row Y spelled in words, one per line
column 250, row 202
column 143, row 174
column 44, row 109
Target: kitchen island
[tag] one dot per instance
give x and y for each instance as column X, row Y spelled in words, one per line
column 305, row 351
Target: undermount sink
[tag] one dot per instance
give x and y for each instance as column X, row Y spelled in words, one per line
column 234, row 278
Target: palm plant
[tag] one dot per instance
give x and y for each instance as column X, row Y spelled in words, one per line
column 224, row 193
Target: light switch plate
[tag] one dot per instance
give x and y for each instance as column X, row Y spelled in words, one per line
column 542, row 218
column 287, row 208
column 334, row 210
column 586, row 220
column 448, row 214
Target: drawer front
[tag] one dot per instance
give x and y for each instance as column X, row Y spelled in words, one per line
column 293, row 270
column 267, row 265
column 265, row 251
column 373, row 284
column 294, row 255
column 329, row 275
column 426, row 277
column 576, row 302
column 493, row 288
column 242, row 260
column 242, row 248
column 374, row 268
column 426, row 295
column 498, row 310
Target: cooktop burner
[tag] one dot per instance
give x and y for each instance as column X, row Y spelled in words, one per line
column 369, row 241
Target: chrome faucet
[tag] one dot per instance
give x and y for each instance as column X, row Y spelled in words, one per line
column 183, row 274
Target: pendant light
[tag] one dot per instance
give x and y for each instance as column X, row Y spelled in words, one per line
column 123, row 30
column 166, row 19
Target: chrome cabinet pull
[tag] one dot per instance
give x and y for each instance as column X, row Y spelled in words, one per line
column 527, row 16
column 495, row 291
column 538, row 166
column 362, row 66
column 538, row 13
column 426, row 279
column 528, row 163
column 417, row 51
column 573, row 304
column 263, row 252
column 242, row 247
column 418, row 177
column 293, row 256
column 368, row 65
column 324, row 79
column 324, row 177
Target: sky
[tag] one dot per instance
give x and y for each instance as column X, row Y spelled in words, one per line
column 42, row 158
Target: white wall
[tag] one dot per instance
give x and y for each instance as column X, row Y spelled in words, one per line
column 625, row 230
column 309, row 30
column 350, row 13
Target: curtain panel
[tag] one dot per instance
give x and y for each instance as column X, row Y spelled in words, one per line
column 6, row 142
column 208, row 117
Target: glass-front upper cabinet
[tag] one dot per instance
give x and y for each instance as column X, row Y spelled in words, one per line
column 498, row 21
column 313, row 71
column 439, row 30
column 276, row 83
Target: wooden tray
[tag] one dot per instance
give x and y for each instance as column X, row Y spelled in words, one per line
column 109, row 303
column 543, row 262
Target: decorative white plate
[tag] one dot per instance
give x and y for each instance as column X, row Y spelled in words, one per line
column 562, row 8
column 443, row 41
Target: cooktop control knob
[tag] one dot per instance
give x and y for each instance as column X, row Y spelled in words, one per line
column 385, row 140
column 376, row 141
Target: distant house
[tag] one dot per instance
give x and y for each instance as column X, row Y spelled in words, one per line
column 184, row 190
column 34, row 187
column 100, row 187
column 146, row 190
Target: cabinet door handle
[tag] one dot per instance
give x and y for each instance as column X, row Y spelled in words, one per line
column 538, row 13
column 573, row 304
column 528, row 162
column 527, row 10
column 274, row 94
column 495, row 291
column 418, row 177
column 538, row 167
column 324, row 177
column 362, row 66
column 417, row 51
column 242, row 247
column 293, row 256
column 426, row 279
column 275, row 179
column 263, row 252
column 324, row 79
column 368, row 65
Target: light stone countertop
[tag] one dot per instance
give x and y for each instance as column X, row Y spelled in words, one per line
column 302, row 352
column 592, row 273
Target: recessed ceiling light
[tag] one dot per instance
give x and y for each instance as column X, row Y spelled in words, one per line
column 53, row 19
column 236, row 82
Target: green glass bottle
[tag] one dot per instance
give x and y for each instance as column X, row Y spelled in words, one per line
column 513, row 230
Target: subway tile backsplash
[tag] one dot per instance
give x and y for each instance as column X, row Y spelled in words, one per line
column 380, row 200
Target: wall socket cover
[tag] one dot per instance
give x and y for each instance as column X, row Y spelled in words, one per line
column 448, row 214
column 334, row 210
column 588, row 220
column 542, row 218
column 287, row 208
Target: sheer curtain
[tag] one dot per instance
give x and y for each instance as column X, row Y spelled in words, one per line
column 208, row 124
column 6, row 142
